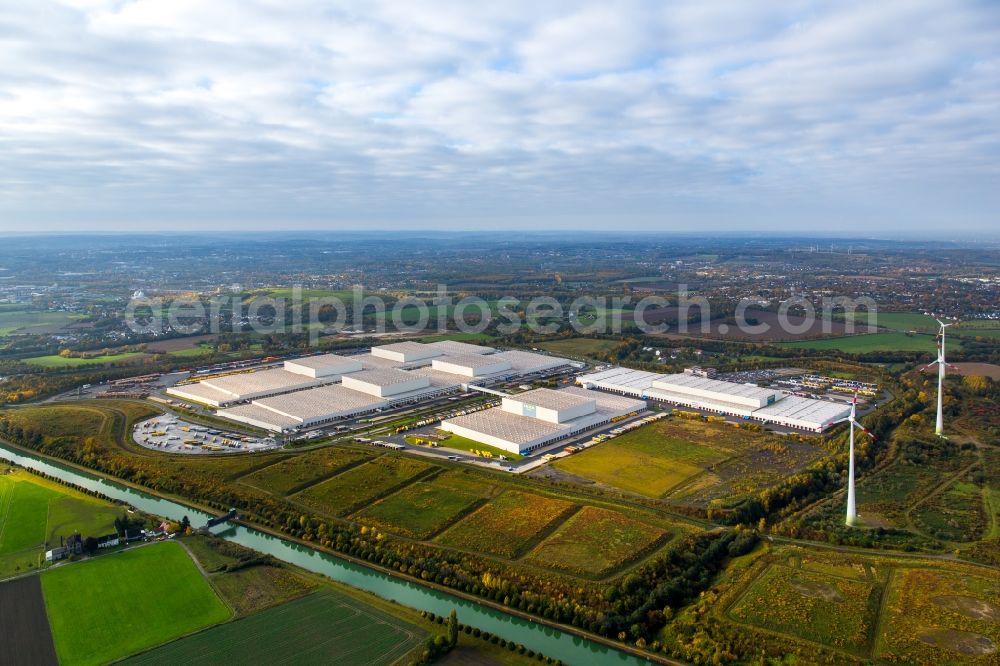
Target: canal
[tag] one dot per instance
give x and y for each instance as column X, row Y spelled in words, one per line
column 547, row 640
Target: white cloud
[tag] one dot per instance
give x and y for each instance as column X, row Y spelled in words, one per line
column 417, row 112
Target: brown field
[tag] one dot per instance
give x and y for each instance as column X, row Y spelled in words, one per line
column 984, row 369
column 719, row 328
column 177, row 344
column 25, row 637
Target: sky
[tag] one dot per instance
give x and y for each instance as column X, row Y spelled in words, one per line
column 872, row 118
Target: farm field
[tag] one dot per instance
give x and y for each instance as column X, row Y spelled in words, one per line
column 360, row 485
column 293, row 473
column 192, row 352
column 507, row 525
column 424, row 508
column 873, row 342
column 250, row 589
column 827, row 609
column 56, row 361
column 322, row 628
column 24, row 633
column 147, row 596
column 898, row 321
column 27, row 321
column 181, row 344
column 459, row 337
column 647, row 461
column 596, row 542
column 35, row 513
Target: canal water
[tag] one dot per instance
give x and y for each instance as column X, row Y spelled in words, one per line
column 551, row 642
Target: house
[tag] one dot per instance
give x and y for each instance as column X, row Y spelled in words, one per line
column 74, row 544
column 108, row 541
column 56, row 554
column 134, row 534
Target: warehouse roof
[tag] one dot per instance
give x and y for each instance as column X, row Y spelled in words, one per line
column 383, row 376
column 717, row 386
column 258, row 414
column 818, row 412
column 438, row 378
column 606, row 402
column 319, row 402
column 551, row 399
column 455, row 348
column 324, row 361
column 369, row 362
column 262, row 380
column 504, row 425
column 200, row 391
column 526, row 362
column 638, row 380
column 473, row 360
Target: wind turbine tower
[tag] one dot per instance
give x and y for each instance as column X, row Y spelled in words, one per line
column 941, row 363
column 852, row 512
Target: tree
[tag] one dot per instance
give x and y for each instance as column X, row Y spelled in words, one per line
column 453, row 628
column 185, row 524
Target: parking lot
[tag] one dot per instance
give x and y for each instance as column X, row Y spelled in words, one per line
column 169, row 434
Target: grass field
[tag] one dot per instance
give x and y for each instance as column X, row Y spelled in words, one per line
column 460, row 443
column 834, row 611
column 113, row 606
column 56, row 361
column 26, row 321
column 192, row 352
column 459, row 337
column 322, row 628
column 507, row 525
column 424, row 508
column 648, row 461
column 288, row 475
column 596, row 542
column 252, row 589
column 359, row 485
column 579, row 347
column 940, row 617
column 899, row 321
column 861, row 344
column 35, row 513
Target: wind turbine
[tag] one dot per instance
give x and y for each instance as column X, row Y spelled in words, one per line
column 852, row 512
column 941, row 363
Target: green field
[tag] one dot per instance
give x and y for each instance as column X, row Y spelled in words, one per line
column 875, row 342
column 35, row 513
column 648, row 461
column 192, row 352
column 56, row 361
column 579, row 347
column 357, row 486
column 460, row 443
column 459, row 337
column 424, row 508
column 286, row 476
column 507, row 525
column 596, row 542
column 25, row 321
column 834, row 611
column 113, row 606
column 322, row 628
column 898, row 321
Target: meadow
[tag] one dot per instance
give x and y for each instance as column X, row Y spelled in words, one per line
column 322, row 628
column 834, row 611
column 596, row 542
column 873, row 342
column 115, row 605
column 296, row 472
column 56, row 361
column 424, row 508
column 15, row 320
column 358, row 486
column 460, row 443
column 935, row 616
column 647, row 461
column 898, row 321
column 35, row 513
column 507, row 525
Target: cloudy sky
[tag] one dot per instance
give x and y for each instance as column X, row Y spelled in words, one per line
column 879, row 118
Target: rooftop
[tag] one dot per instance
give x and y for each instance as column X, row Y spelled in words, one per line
column 472, row 360
column 716, row 385
column 383, row 376
column 819, row 412
column 507, row 426
column 551, row 399
column 259, row 414
column 318, row 402
column 324, row 361
column 526, row 362
column 262, row 380
column 455, row 348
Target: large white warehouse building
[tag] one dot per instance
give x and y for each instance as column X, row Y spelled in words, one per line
column 744, row 400
column 528, row 421
column 304, row 393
